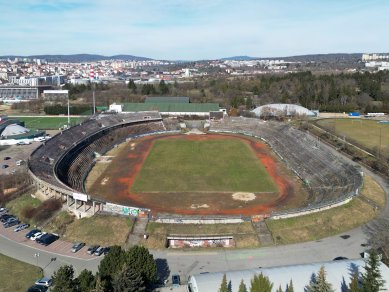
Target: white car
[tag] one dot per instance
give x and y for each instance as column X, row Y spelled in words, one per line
column 47, row 282
column 37, row 235
column 39, row 139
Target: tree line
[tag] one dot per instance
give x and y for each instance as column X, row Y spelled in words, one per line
column 133, row 270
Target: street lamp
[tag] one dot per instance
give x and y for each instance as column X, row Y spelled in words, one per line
column 36, row 255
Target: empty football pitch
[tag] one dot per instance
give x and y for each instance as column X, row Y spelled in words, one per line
column 182, row 165
column 196, row 174
column 369, row 133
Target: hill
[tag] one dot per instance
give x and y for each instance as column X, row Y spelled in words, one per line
column 78, row 58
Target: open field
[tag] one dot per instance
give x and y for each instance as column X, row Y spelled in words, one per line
column 46, row 123
column 368, row 133
column 17, row 205
column 244, row 233
column 330, row 222
column 17, row 276
column 182, row 165
column 102, row 230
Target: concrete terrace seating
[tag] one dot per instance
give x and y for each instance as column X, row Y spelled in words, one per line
column 328, row 177
column 69, row 155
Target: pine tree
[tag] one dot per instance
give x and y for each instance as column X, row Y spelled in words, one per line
column 86, row 281
column 372, row 280
column 261, row 283
column 163, row 88
column 63, row 279
column 242, row 287
column 99, row 285
column 132, row 86
column 289, row 288
column 141, row 260
column 354, row 285
column 279, row 289
column 128, row 280
column 224, row 285
column 319, row 283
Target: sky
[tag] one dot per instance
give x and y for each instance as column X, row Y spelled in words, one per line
column 193, row 29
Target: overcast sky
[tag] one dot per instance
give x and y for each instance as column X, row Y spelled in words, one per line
column 193, row 29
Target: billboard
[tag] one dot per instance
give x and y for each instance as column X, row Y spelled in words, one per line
column 80, row 197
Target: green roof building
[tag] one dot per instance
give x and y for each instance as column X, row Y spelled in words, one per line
column 167, row 99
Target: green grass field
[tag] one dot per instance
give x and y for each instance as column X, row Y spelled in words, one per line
column 364, row 132
column 181, row 165
column 17, row 276
column 46, row 123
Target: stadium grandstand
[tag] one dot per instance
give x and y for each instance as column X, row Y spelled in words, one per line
column 328, row 177
column 60, row 165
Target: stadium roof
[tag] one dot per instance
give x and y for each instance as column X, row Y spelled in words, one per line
column 337, row 272
column 276, row 109
column 171, row 107
column 167, row 99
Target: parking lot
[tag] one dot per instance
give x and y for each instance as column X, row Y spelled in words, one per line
column 59, row 246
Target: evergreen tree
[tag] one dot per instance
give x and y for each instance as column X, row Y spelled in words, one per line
column 86, row 281
column 99, row 285
column 128, row 280
column 163, row 88
column 319, row 283
column 242, row 287
column 63, row 279
column 261, row 283
column 354, row 285
column 372, row 280
column 279, row 289
column 132, row 86
column 289, row 288
column 224, row 285
column 140, row 259
column 110, row 265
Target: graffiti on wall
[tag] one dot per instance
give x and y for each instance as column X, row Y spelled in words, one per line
column 182, row 243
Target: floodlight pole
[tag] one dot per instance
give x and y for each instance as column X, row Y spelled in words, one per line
column 68, row 110
column 94, row 100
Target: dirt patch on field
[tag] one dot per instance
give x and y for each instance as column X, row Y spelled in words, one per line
column 125, row 166
column 241, row 196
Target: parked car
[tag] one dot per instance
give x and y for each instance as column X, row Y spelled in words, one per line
column 39, row 139
column 47, row 239
column 176, row 282
column 23, row 143
column 77, row 246
column 92, row 249
column 21, row 227
column 47, row 282
column 3, row 210
column 37, row 235
column 19, row 162
column 7, row 158
column 99, row 251
column 106, row 250
column 5, row 217
column 11, row 222
column 37, row 288
column 31, row 233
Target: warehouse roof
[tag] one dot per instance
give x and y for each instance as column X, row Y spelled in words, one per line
column 167, row 99
column 171, row 107
column 337, row 272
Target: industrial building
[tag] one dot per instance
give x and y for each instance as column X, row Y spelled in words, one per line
column 338, row 273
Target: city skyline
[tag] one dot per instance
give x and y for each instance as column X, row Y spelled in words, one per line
column 194, row 29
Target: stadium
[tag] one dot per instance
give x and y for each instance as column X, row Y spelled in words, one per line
column 240, row 167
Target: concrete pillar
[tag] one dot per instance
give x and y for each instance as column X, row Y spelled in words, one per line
column 94, row 207
column 84, row 206
column 68, row 200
